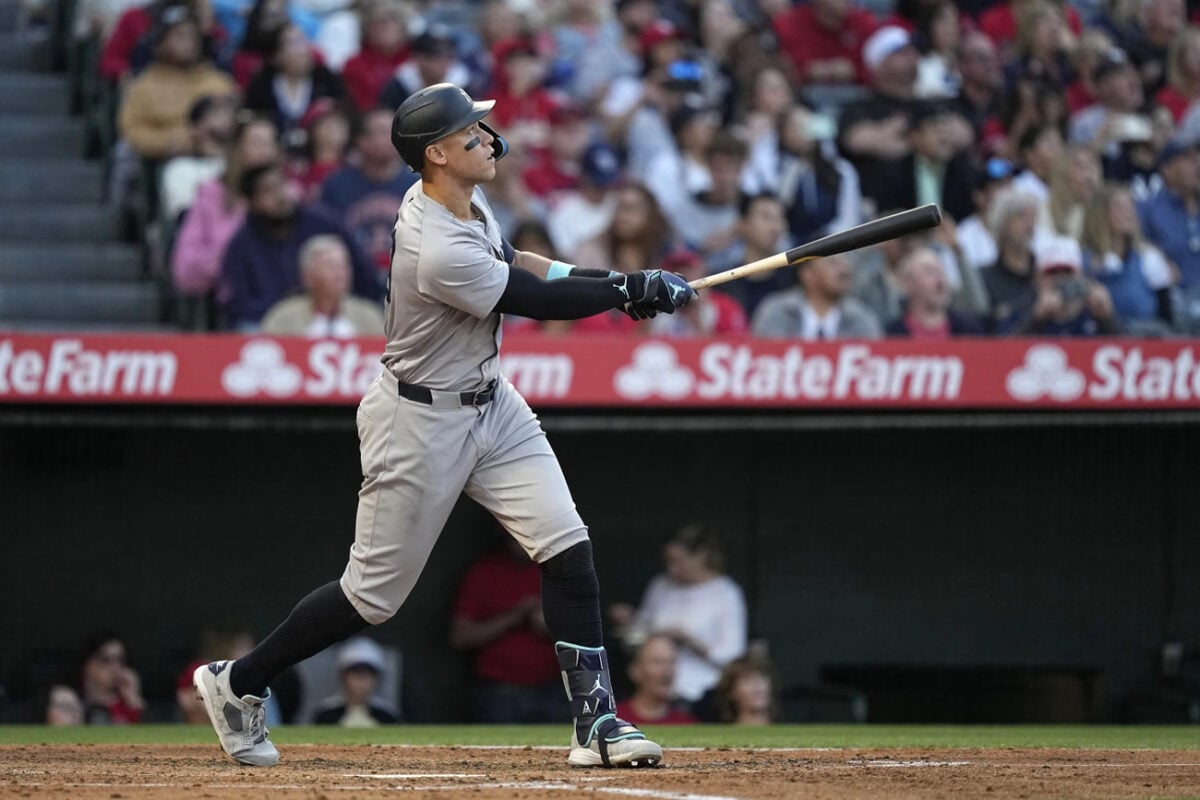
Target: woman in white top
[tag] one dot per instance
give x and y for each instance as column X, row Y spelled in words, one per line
column 698, row 606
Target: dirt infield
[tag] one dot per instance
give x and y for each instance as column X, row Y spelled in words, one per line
column 328, row 773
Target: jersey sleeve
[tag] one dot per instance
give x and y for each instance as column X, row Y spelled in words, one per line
column 462, row 274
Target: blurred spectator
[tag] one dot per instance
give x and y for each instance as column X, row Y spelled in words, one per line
column 130, row 46
column 706, row 220
column 939, row 33
column 748, row 693
column 576, row 27
column 1042, row 46
column 433, row 59
column 1067, row 302
column 109, row 690
column 261, row 265
column 253, row 25
column 498, row 615
column 384, row 49
column 360, row 664
column 1118, row 93
column 1135, row 274
column 1145, row 31
column 696, row 604
column 1010, row 280
column 96, row 19
column 1093, row 47
column 556, row 168
column 927, row 313
column 289, row 82
column 523, row 105
column 877, row 281
column 823, row 39
column 638, row 237
column 326, row 134
column 367, row 193
column 873, row 132
column 764, row 100
column 709, row 314
column 637, row 112
column 819, row 189
column 1073, row 180
column 211, row 125
column 153, row 117
column 1039, row 149
column 219, row 209
column 678, row 172
column 599, row 68
column 1182, row 88
column 933, row 172
column 1000, row 22
column 325, row 310
column 652, row 670
column 761, row 232
column 580, row 215
column 1170, row 218
column 981, row 89
column 511, row 201
column 820, row 307
column 975, row 240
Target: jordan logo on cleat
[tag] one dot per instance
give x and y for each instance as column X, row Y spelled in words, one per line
column 217, row 667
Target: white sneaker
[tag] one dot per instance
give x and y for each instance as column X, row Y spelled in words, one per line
column 240, row 722
column 620, row 745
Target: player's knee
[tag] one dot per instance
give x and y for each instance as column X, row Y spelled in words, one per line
column 373, row 610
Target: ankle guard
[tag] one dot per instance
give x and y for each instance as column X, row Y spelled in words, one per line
column 589, row 688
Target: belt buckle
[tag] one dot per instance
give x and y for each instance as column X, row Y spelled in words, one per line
column 483, row 396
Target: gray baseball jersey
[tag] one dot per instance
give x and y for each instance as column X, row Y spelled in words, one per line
column 417, row 458
column 447, row 276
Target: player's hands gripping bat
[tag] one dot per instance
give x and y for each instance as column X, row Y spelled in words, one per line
column 655, row 290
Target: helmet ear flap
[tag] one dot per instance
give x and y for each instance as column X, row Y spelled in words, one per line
column 499, row 143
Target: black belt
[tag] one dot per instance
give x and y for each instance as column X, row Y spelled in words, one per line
column 420, row 394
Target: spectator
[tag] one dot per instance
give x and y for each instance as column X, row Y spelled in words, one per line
column 1170, row 218
column 63, row 707
column 1091, row 49
column 153, row 117
column 1118, row 93
column 261, row 22
column 384, row 49
column 1146, row 35
column 637, row 113
column 290, row 82
column 933, row 172
column 819, row 189
column 652, row 670
column 498, row 615
column 1000, row 21
column 981, row 89
column 678, row 172
column 578, row 30
column 523, row 105
column 1043, row 41
column 709, row 314
column 580, row 215
column 261, row 264
column 1135, row 274
column 129, row 47
column 1010, row 280
column 975, row 240
column 1068, row 303
column 325, row 129
column 1073, row 181
column 367, row 193
column 706, row 220
column 820, row 307
column 325, row 310
column 873, row 132
column 434, row 59
column 556, row 169
column 219, row 209
column 761, row 232
column 600, row 68
column 1039, row 149
column 109, row 690
column 940, row 31
column 877, row 281
column 211, row 126
column 639, row 234
column 748, row 693
column 767, row 98
column 702, row 609
column 1182, row 89
column 823, row 39
column 360, row 664
column 927, row 313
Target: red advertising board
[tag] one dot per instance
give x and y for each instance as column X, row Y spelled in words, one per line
column 621, row 372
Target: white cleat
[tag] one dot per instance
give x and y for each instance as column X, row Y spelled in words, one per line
column 632, row 750
column 240, row 722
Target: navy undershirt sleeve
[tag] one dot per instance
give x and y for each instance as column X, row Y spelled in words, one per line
column 527, row 295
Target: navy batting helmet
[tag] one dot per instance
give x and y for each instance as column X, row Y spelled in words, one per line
column 434, row 113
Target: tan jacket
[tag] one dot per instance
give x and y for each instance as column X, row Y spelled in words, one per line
column 154, row 109
column 294, row 315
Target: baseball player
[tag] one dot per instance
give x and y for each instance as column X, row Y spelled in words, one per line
column 441, row 420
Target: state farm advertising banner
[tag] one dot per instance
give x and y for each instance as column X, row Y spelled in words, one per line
column 620, row 372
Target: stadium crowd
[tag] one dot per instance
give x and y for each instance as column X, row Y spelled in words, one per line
column 1058, row 138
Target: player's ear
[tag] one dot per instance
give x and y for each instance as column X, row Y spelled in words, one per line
column 435, row 154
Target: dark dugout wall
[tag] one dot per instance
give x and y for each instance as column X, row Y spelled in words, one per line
column 982, row 568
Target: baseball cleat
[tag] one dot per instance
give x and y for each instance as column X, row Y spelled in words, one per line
column 622, row 745
column 240, row 722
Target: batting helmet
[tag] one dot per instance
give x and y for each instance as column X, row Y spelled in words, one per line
column 434, row 113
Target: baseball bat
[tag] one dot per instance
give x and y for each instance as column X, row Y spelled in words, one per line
column 879, row 230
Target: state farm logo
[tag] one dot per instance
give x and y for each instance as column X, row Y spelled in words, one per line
column 1045, row 373
column 263, row 368
column 69, row 368
column 655, row 371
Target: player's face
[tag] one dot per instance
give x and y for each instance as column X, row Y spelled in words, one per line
column 467, row 160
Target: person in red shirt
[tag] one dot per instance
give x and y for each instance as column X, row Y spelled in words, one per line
column 823, row 39
column 109, row 690
column 557, row 170
column 652, row 671
column 384, row 48
column 523, row 105
column 498, row 615
column 927, row 313
column 1000, row 22
column 715, row 313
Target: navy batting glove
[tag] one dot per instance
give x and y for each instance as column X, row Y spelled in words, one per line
column 673, row 293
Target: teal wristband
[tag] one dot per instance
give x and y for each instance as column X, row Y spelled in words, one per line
column 558, row 269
